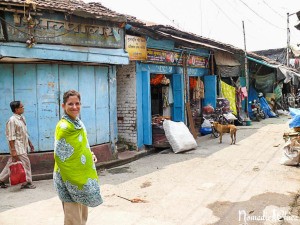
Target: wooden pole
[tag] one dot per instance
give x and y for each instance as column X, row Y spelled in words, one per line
column 212, row 64
column 246, row 70
column 288, row 39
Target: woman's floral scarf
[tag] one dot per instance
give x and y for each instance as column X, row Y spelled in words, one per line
column 75, row 176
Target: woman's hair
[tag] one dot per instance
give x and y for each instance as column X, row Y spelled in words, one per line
column 14, row 105
column 69, row 93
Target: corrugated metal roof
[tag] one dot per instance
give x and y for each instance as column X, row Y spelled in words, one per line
column 76, row 7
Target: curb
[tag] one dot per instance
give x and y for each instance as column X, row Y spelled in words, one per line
column 104, row 165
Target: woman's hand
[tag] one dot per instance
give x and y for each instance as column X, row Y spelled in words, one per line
column 94, row 157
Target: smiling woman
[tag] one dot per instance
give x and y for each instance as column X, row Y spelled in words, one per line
column 75, row 176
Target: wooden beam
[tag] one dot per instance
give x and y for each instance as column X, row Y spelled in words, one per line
column 191, row 121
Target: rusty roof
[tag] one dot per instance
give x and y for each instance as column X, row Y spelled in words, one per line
column 75, row 7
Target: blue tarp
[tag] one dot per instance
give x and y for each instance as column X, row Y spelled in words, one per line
column 295, row 113
column 263, row 102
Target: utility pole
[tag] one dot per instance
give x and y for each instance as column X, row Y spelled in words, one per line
column 288, row 39
column 246, row 69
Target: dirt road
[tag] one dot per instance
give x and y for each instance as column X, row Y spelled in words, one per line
column 214, row 184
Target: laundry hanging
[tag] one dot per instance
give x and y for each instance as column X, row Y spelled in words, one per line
column 229, row 93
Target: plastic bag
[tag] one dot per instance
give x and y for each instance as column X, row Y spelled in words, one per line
column 295, row 113
column 290, row 155
column 179, row 136
column 206, row 123
column 16, row 173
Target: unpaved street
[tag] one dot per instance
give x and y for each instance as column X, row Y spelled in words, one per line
column 214, row 184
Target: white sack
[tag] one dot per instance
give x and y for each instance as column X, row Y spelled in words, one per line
column 290, row 156
column 206, row 123
column 229, row 116
column 179, row 136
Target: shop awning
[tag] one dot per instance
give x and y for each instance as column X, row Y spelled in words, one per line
column 64, row 53
column 225, row 59
column 261, row 62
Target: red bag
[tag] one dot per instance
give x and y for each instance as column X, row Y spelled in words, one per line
column 17, row 173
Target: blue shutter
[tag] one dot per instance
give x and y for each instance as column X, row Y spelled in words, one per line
column 178, row 90
column 147, row 126
column 6, row 93
column 25, row 91
column 48, row 105
column 210, row 90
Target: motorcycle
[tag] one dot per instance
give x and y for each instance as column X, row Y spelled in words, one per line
column 258, row 112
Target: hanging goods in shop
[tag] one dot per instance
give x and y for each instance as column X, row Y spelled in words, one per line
column 193, row 83
column 165, row 80
column 157, row 79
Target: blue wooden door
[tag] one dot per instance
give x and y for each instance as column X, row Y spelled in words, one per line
column 210, row 90
column 87, row 90
column 68, row 79
column 25, row 91
column 146, row 105
column 41, row 87
column 47, row 105
column 102, row 104
column 6, row 93
column 178, row 90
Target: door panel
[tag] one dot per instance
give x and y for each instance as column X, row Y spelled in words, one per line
column 178, row 107
column 25, row 91
column 68, row 79
column 147, row 125
column 102, row 104
column 6, row 93
column 87, row 90
column 48, row 105
column 210, row 90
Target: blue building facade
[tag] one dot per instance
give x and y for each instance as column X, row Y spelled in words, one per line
column 65, row 54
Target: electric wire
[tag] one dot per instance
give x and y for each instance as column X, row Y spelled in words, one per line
column 227, row 16
column 172, row 21
column 273, row 9
column 261, row 16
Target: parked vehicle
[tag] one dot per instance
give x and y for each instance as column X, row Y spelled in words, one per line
column 258, row 112
column 218, row 116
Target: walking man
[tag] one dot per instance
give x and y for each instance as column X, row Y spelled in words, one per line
column 18, row 141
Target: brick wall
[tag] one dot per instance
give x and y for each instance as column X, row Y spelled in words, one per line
column 126, row 101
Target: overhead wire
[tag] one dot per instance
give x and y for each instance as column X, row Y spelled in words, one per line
column 172, row 21
column 273, row 9
column 261, row 16
column 227, row 16
column 239, row 28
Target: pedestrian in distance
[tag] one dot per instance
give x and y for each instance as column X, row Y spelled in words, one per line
column 18, row 141
column 75, row 176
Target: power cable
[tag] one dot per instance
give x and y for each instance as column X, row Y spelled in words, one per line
column 273, row 9
column 261, row 16
column 172, row 21
column 227, row 16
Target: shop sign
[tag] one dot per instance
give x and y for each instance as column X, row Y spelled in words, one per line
column 173, row 58
column 58, row 29
column 136, row 47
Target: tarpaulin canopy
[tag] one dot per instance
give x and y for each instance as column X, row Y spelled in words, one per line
column 225, row 59
column 263, row 102
column 261, row 62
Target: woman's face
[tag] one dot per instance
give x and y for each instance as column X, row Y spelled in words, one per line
column 72, row 107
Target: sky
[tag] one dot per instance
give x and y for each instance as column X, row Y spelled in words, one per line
column 265, row 21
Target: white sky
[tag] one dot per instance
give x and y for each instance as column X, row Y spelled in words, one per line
column 221, row 20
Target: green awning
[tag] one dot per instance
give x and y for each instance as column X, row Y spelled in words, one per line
column 261, row 62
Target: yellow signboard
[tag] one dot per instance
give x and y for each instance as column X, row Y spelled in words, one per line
column 136, row 47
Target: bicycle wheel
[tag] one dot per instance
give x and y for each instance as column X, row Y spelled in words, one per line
column 215, row 132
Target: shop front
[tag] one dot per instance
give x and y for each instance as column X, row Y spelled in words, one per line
column 61, row 58
column 161, row 92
